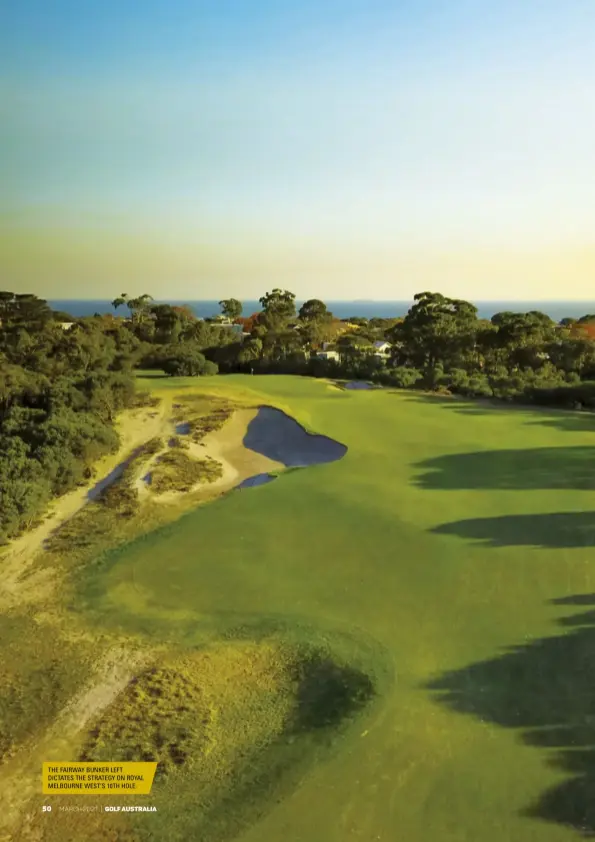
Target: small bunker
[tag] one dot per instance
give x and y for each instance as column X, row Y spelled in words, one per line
column 276, row 435
column 258, row 479
column 359, row 384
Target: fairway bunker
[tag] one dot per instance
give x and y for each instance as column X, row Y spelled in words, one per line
column 114, row 476
column 277, row 436
column 359, row 384
column 258, row 479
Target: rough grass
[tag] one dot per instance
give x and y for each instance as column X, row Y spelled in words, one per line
column 226, row 725
column 100, row 517
column 203, row 414
column 39, row 672
column 177, row 471
column 179, row 442
column 161, row 716
column 145, row 399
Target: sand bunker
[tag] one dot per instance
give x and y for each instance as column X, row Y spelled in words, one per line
column 275, row 435
column 259, row 479
column 359, row 384
column 113, row 476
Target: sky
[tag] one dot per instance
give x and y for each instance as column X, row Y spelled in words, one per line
column 339, row 148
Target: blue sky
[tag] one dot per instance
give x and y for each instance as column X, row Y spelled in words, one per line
column 221, row 147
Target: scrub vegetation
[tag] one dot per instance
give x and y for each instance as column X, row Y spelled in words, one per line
column 37, row 678
column 105, row 509
column 229, row 726
column 176, row 471
column 198, row 415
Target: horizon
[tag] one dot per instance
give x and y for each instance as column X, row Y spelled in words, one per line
column 341, row 309
column 323, row 146
column 363, row 300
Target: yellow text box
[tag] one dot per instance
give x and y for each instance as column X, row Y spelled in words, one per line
column 72, row 778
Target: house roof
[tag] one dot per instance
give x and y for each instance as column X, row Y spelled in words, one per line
column 380, row 343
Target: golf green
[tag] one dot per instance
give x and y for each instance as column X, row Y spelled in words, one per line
column 448, row 554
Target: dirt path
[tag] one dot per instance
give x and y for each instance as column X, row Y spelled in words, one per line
column 135, row 428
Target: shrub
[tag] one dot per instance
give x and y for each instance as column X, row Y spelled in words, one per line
column 189, row 363
column 401, row 377
column 567, row 396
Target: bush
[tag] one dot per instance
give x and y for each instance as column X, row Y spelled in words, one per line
column 401, row 377
column 567, row 396
column 189, row 363
column 478, row 386
column 456, row 380
column 460, row 382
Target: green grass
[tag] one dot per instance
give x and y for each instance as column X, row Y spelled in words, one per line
column 429, row 559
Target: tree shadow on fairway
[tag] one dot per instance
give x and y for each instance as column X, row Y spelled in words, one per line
column 571, row 422
column 565, row 420
column 559, row 530
column 454, row 403
column 329, row 693
column 546, row 690
column 328, row 697
column 538, row 468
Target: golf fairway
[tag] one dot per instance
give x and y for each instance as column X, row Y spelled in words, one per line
column 440, row 555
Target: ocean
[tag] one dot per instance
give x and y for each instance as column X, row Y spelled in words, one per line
column 556, row 310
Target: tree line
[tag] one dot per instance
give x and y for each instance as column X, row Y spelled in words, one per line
column 441, row 344
column 64, row 379
column 60, row 392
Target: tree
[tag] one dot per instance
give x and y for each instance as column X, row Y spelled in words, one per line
column 280, row 344
column 314, row 310
column 572, row 354
column 250, row 351
column 184, row 312
column 436, row 330
column 248, row 322
column 523, row 337
column 231, row 308
column 278, row 308
column 317, row 323
column 402, row 377
column 59, row 395
column 353, row 347
column 188, row 362
column 200, row 333
column 139, row 307
column 167, row 323
column 23, row 311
